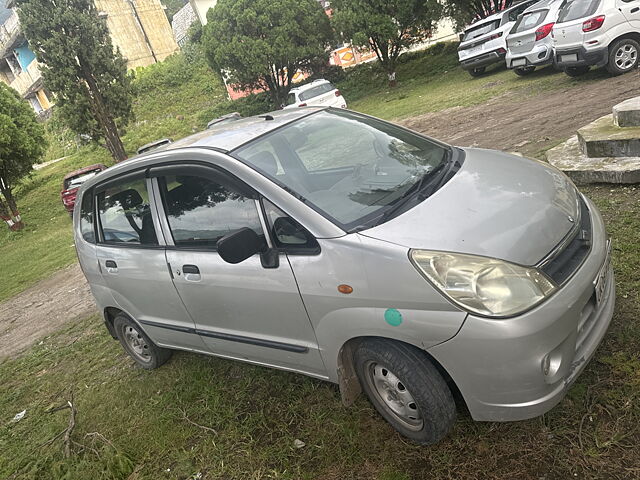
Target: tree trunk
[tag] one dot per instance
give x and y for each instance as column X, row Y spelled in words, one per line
column 104, row 118
column 13, row 219
column 6, row 216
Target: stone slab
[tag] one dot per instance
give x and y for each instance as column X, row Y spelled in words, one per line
column 627, row 113
column 581, row 169
column 604, row 139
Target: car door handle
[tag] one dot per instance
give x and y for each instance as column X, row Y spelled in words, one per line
column 112, row 267
column 190, row 269
column 635, row 9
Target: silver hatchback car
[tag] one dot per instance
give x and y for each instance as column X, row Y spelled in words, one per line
column 340, row 246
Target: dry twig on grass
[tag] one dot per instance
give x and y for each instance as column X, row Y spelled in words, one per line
column 208, row 429
column 66, row 433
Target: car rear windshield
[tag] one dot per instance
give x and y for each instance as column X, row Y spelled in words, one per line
column 316, row 91
column 75, row 182
column 575, row 9
column 349, row 167
column 478, row 31
column 529, row 21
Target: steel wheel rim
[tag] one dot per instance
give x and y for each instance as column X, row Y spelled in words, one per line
column 137, row 344
column 626, row 56
column 393, row 395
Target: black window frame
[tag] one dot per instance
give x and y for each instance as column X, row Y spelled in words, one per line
column 89, row 193
column 311, row 249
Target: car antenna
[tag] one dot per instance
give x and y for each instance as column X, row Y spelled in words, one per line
column 266, row 117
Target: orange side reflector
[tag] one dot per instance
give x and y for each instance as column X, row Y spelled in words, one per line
column 346, row 289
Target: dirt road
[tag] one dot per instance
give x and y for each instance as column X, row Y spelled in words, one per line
column 527, row 124
column 43, row 309
column 510, row 122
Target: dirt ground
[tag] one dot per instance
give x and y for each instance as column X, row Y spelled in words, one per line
column 511, row 122
column 531, row 124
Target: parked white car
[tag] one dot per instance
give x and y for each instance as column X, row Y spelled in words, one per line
column 600, row 33
column 319, row 93
column 529, row 44
column 484, row 43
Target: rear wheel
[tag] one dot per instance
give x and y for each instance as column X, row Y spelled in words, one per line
column 523, row 71
column 406, row 389
column 623, row 56
column 576, row 71
column 476, row 72
column 138, row 345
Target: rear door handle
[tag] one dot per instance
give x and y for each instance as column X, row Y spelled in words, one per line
column 635, row 9
column 112, row 267
column 191, row 273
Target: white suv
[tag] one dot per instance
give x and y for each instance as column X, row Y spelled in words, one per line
column 601, row 33
column 319, row 93
column 484, row 42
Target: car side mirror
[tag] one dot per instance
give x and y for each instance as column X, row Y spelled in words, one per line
column 244, row 243
column 236, row 247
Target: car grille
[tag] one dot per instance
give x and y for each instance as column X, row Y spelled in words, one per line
column 565, row 262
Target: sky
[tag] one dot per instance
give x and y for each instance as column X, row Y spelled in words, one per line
column 4, row 13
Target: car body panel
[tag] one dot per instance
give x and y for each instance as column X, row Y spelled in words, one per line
column 514, row 208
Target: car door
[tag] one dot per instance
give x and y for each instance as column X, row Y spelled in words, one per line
column 631, row 11
column 244, row 310
column 132, row 262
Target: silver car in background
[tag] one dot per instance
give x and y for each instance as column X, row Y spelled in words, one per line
column 530, row 44
column 336, row 245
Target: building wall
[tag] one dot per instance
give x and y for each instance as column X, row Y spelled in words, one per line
column 129, row 21
column 201, row 7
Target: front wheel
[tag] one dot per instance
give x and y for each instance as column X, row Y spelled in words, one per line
column 406, row 389
column 476, row 72
column 523, row 71
column 576, row 71
column 623, row 56
column 138, row 345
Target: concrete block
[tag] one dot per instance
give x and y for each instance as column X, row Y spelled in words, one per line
column 569, row 158
column 627, row 113
column 603, row 139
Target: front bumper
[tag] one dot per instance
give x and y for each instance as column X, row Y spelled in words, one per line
column 483, row 60
column 499, row 365
column 583, row 58
column 537, row 57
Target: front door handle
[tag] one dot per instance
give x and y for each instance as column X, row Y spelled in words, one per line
column 635, row 9
column 112, row 267
column 191, row 273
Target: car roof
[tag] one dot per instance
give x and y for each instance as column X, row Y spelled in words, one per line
column 307, row 86
column 82, row 170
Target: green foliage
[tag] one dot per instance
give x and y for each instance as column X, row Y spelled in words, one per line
column 386, row 26
column 248, row 106
column 463, row 12
column 263, row 43
column 80, row 66
column 22, row 141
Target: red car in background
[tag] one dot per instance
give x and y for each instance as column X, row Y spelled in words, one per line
column 72, row 182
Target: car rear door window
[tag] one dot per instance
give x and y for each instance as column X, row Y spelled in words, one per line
column 125, row 214
column 575, row 9
column 200, row 211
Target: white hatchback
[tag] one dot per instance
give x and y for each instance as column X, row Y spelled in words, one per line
column 319, row 93
column 600, row 33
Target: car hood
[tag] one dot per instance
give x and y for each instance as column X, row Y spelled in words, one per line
column 497, row 205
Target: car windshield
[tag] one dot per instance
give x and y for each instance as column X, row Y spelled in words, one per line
column 529, row 21
column 477, row 31
column 349, row 167
column 575, row 9
column 316, row 91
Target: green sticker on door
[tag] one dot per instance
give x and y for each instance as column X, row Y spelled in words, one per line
column 393, row 317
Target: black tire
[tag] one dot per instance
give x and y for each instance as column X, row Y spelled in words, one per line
column 524, row 71
column 576, row 71
column 419, row 389
column 146, row 354
column 623, row 56
column 476, row 72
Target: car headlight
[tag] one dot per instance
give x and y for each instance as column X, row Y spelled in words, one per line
column 482, row 285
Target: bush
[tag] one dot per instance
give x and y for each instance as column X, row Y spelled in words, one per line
column 254, row 104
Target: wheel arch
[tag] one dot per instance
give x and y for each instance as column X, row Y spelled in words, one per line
column 110, row 313
column 632, row 35
column 349, row 384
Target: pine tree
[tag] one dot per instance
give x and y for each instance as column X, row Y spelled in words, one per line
column 81, row 67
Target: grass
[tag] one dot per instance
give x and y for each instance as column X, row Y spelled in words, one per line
column 151, row 424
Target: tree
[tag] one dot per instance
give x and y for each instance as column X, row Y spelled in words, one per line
column 386, row 26
column 80, row 66
column 263, row 43
column 464, row 12
column 22, row 143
